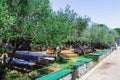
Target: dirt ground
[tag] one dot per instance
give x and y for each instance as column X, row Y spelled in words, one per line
column 108, row 69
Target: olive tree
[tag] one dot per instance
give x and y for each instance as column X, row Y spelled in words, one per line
column 61, row 28
column 98, row 34
column 23, row 19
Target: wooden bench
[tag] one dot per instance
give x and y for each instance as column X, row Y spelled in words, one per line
column 21, row 62
column 98, row 56
column 1, row 59
column 62, row 74
column 30, row 56
column 81, row 67
column 88, row 62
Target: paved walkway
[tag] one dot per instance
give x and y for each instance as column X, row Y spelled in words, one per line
column 108, row 69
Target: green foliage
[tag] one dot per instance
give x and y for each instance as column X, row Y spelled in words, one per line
column 98, row 33
column 117, row 30
column 58, row 29
column 34, row 74
column 34, row 20
column 25, row 19
column 6, row 20
column 11, row 75
column 80, row 24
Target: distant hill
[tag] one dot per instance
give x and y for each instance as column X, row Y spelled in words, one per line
column 117, row 30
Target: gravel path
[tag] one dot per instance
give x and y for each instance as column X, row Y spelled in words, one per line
column 108, row 69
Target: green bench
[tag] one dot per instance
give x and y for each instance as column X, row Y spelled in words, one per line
column 98, row 53
column 78, row 63
column 89, row 63
column 98, row 56
column 79, row 69
column 58, row 75
column 85, row 60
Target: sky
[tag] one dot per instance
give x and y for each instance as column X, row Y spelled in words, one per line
column 100, row 11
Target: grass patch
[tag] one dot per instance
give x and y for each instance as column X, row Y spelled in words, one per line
column 14, row 74
column 88, row 56
column 65, row 64
column 95, row 63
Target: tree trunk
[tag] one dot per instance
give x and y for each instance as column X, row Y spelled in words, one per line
column 93, row 46
column 58, row 54
column 82, row 49
column 11, row 58
column 4, row 61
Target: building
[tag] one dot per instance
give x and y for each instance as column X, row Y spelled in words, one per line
column 118, row 41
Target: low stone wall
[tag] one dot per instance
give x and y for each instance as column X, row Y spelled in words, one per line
column 101, row 55
column 67, row 77
column 89, row 65
column 100, row 58
column 78, row 71
column 81, row 70
column 81, row 67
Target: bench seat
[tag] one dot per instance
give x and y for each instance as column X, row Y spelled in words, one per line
column 57, row 75
column 2, row 59
column 85, row 60
column 22, row 62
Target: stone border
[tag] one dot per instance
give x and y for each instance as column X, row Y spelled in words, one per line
column 67, row 77
column 81, row 69
column 102, row 54
column 93, row 69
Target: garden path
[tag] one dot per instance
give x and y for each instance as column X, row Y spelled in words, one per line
column 108, row 69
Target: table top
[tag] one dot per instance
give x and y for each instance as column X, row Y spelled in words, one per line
column 27, row 55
